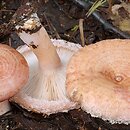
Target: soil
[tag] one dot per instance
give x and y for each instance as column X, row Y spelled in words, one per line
column 61, row 19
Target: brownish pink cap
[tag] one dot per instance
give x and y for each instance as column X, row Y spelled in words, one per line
column 14, row 72
column 98, row 78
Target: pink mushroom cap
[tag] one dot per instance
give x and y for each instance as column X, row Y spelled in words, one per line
column 98, row 78
column 14, row 72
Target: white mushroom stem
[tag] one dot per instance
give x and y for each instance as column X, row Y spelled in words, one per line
column 49, row 83
column 4, row 107
column 51, row 73
column 43, row 49
column 40, row 43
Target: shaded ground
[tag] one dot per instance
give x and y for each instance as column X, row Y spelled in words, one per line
column 61, row 19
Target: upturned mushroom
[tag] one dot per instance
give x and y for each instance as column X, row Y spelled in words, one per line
column 98, row 78
column 14, row 73
column 45, row 92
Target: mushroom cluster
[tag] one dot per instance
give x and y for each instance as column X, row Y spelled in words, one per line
column 98, row 77
column 45, row 91
column 14, row 73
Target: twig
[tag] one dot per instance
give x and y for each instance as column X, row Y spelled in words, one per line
column 106, row 24
column 81, row 32
column 9, row 42
column 4, row 10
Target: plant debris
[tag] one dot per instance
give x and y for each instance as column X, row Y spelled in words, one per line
column 121, row 16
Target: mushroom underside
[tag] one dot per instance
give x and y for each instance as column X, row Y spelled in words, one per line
column 45, row 92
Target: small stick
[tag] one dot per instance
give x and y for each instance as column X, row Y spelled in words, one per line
column 4, row 10
column 10, row 41
column 81, row 32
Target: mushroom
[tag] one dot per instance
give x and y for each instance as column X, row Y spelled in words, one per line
column 45, row 92
column 14, row 73
column 98, row 78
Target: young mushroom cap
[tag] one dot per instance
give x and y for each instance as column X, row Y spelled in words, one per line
column 45, row 92
column 14, row 73
column 98, row 77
